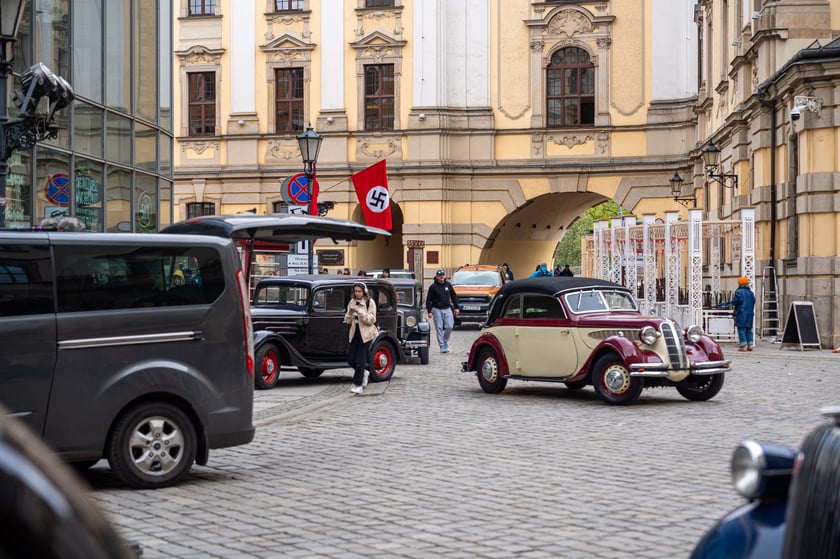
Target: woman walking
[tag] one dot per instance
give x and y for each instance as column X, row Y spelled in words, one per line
column 361, row 316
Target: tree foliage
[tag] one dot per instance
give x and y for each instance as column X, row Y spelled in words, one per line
column 568, row 251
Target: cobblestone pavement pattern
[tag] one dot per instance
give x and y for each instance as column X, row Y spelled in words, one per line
column 428, row 465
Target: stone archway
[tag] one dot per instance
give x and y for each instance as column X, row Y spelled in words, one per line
column 530, row 234
column 383, row 251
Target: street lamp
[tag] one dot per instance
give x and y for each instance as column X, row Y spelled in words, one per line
column 310, row 144
column 676, row 191
column 711, row 161
column 11, row 12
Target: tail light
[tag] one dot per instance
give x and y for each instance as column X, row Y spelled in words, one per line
column 246, row 321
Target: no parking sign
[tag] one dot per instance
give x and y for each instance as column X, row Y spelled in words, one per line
column 295, row 190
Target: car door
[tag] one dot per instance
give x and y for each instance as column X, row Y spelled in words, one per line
column 27, row 328
column 326, row 336
column 545, row 345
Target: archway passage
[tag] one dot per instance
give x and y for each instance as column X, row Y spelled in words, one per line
column 530, row 234
column 383, row 251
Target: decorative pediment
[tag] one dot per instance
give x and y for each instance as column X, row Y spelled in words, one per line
column 287, row 41
column 200, row 55
column 569, row 22
column 378, row 40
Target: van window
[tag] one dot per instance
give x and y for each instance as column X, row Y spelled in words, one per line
column 121, row 277
column 25, row 280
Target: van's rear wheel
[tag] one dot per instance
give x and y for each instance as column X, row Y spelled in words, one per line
column 152, row 445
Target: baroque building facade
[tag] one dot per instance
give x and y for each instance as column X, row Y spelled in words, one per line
column 501, row 122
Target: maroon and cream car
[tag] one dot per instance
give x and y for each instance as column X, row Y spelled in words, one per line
column 583, row 331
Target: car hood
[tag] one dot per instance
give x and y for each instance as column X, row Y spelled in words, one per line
column 475, row 289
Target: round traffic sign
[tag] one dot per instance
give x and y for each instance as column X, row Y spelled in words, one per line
column 298, row 190
column 58, row 189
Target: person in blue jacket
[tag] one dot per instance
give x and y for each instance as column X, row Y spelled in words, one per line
column 743, row 303
column 541, row 271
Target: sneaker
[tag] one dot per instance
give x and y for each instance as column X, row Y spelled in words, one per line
column 365, row 379
column 445, row 349
column 357, row 389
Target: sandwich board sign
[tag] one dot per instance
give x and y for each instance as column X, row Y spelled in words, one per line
column 801, row 326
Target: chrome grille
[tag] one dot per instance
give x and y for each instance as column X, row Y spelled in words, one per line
column 473, row 298
column 675, row 344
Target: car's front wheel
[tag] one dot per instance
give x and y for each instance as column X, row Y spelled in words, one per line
column 700, row 388
column 612, row 381
column 383, row 361
column 310, row 372
column 268, row 367
column 489, row 373
column 424, row 355
column 152, row 445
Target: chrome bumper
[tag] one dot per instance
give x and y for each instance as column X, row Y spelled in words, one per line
column 664, row 369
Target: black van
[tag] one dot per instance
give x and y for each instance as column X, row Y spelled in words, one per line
column 106, row 352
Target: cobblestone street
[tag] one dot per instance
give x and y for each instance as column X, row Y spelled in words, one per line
column 428, row 465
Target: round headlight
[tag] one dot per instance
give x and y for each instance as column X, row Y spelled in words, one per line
column 411, row 321
column 648, row 335
column 748, row 466
column 694, row 333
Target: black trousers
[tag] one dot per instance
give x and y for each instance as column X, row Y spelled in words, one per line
column 357, row 357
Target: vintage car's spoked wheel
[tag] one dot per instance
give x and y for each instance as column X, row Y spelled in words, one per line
column 701, row 388
column 613, row 382
column 310, row 372
column 382, row 362
column 489, row 376
column 152, row 445
column 268, row 367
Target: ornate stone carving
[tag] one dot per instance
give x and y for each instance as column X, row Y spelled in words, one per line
column 283, row 150
column 604, row 42
column 378, row 148
column 285, row 21
column 602, row 142
column 199, row 147
column 537, row 141
column 569, row 23
column 378, row 52
column 286, row 55
column 572, row 140
column 200, row 55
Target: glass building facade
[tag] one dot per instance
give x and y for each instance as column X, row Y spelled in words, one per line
column 111, row 163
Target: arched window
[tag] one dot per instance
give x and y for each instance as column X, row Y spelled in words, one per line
column 570, row 93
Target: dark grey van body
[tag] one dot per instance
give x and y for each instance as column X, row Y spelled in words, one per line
column 101, row 344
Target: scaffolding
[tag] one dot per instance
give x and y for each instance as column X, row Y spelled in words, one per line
column 677, row 268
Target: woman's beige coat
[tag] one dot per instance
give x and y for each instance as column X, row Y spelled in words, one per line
column 367, row 319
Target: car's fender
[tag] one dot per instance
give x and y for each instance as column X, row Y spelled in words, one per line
column 388, row 335
column 488, row 340
column 709, row 347
column 289, row 354
column 753, row 531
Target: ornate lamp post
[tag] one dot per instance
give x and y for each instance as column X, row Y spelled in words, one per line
column 310, row 144
column 11, row 12
column 676, row 192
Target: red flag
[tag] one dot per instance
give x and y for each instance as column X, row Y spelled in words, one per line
column 314, row 190
column 371, row 186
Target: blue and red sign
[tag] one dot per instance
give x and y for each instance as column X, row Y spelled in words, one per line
column 58, row 189
column 298, row 190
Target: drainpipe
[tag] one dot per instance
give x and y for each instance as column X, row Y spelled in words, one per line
column 773, row 194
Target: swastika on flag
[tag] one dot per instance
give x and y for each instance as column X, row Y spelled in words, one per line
column 377, row 199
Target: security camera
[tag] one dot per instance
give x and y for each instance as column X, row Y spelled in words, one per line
column 795, row 113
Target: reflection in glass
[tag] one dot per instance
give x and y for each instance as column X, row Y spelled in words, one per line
column 87, row 49
column 52, row 35
column 145, row 147
column 117, row 55
column 19, row 191
column 118, row 200
column 145, row 60
column 118, row 139
column 165, row 155
column 52, row 197
column 145, row 204
column 165, row 212
column 87, row 181
column 165, row 64
column 87, row 137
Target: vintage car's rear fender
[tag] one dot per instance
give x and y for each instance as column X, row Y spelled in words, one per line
column 753, row 531
column 491, row 341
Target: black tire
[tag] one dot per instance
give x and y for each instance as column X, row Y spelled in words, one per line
column 489, row 376
column 700, row 388
column 268, row 367
column 152, row 445
column 424, row 355
column 576, row 385
column 383, row 361
column 310, row 372
column 612, row 381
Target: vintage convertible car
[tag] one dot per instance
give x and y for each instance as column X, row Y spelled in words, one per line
column 583, row 331
column 793, row 508
column 413, row 330
column 299, row 322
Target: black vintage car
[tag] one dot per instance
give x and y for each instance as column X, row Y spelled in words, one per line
column 299, row 322
column 413, row 329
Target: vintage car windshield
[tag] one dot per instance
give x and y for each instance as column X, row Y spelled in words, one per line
column 287, row 294
column 475, row 278
column 587, row 301
column 405, row 296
